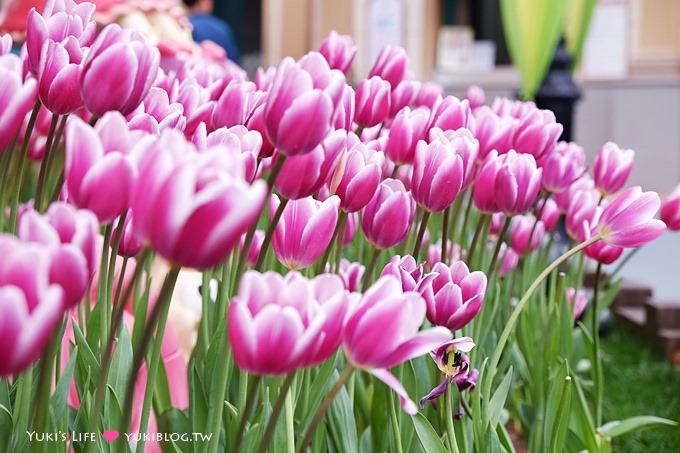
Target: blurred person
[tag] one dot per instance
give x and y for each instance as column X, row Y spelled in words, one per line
column 207, row 27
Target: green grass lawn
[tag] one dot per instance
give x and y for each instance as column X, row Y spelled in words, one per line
column 639, row 382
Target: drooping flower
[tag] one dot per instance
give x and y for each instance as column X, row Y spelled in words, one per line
column 304, row 231
column 454, row 364
column 383, row 331
column 279, row 324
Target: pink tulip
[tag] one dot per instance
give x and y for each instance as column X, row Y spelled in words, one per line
column 196, row 102
column 434, row 253
column 493, row 132
column 537, row 133
column 563, row 199
column 602, row 252
column 437, row 175
column 255, row 247
column 577, row 300
column 629, row 221
column 408, row 127
column 612, row 168
column 561, row 167
column 465, row 145
column 256, row 124
column 496, row 224
column 339, row 50
column 509, row 260
column 264, row 78
column 303, row 175
column 192, row 207
column 351, row 227
column 125, row 64
column 453, row 294
column 299, row 96
column 382, row 332
column 404, row 95
column 95, row 157
column 351, row 274
column 357, row 176
column 522, row 230
column 507, row 183
column 475, row 96
column 129, row 245
column 58, row 76
column 511, row 108
column 237, row 103
column 429, row 95
column 59, row 21
column 386, row 219
column 670, row 210
column 16, row 98
column 406, row 270
column 277, row 325
column 372, row 101
column 452, row 114
column 157, row 113
column 304, row 231
column 549, row 213
column 31, row 307
column 345, row 110
column 454, row 364
column 583, row 208
column 390, row 65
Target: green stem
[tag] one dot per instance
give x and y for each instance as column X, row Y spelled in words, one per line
column 597, row 365
column 454, row 218
column 497, row 249
column 157, row 318
column 249, row 403
column 445, row 234
column 290, row 423
column 216, row 405
column 270, row 234
column 325, row 404
column 276, row 410
column 395, row 423
column 368, row 275
column 102, row 286
column 6, row 164
column 510, row 325
column 466, row 217
column 421, row 234
column 340, row 238
column 42, row 175
column 450, row 430
column 481, row 225
column 22, row 168
column 41, row 408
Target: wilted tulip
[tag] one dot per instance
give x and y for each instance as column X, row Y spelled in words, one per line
column 454, row 295
column 304, row 231
column 390, row 65
column 192, row 207
column 372, row 101
column 387, row 218
column 122, row 61
column 357, row 176
column 406, row 270
column 31, row 307
column 339, row 50
column 95, row 158
column 382, row 332
column 612, row 168
column 408, row 127
column 525, row 228
column 278, row 324
column 670, row 210
column 437, row 175
column 561, row 167
column 454, row 365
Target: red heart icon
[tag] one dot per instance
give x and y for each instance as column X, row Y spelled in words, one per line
column 110, row 435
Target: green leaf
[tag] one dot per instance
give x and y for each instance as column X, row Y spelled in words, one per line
column 86, row 357
column 618, row 428
column 6, row 427
column 342, row 425
column 498, row 399
column 60, row 396
column 427, row 436
column 121, row 363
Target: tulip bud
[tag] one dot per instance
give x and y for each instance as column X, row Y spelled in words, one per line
column 549, row 213
column 561, row 167
column 670, row 210
column 437, row 175
column 509, row 259
column 454, row 295
column 475, row 96
column 255, row 247
column 577, row 300
column 525, row 228
column 372, row 101
column 125, row 64
column 304, row 231
column 293, row 322
column 408, row 127
column 390, row 65
column 357, row 176
column 58, row 76
column 612, row 168
column 386, row 219
column 129, row 245
column 465, row 145
column 339, row 50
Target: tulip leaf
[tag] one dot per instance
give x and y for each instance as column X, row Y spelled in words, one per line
column 86, row 358
column 121, row 363
column 498, row 399
column 620, row 427
column 582, row 420
column 175, row 420
column 6, row 426
column 61, row 391
column 427, row 436
column 342, row 424
column 504, row 437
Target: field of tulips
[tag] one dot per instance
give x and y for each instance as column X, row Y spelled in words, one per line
column 192, row 261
